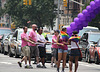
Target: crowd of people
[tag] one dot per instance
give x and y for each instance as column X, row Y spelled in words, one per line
column 35, row 43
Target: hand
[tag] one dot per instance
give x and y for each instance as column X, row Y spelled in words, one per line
column 32, row 42
column 62, row 44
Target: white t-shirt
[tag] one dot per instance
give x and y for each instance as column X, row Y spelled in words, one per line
column 41, row 38
column 73, row 45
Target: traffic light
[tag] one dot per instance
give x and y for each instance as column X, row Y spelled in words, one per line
column 65, row 3
column 24, row 2
column 30, row 2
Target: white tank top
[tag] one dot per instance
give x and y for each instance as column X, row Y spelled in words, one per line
column 73, row 45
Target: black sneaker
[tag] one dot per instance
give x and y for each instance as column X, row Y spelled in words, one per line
column 26, row 66
column 44, row 67
column 20, row 64
column 39, row 66
column 55, row 66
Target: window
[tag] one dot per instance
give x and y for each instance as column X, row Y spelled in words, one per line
column 85, row 37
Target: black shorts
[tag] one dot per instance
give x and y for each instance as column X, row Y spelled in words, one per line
column 42, row 52
column 75, row 52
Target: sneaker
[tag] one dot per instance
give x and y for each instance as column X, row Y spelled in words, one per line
column 39, row 66
column 62, row 71
column 55, row 66
column 30, row 66
column 34, row 62
column 44, row 67
column 66, row 66
column 51, row 65
column 26, row 66
column 20, row 64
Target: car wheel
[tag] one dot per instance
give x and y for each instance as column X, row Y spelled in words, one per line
column 10, row 54
column 96, row 59
column 4, row 52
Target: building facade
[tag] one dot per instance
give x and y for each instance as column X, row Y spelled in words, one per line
column 69, row 13
column 4, row 19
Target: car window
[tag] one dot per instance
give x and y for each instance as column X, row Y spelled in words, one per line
column 19, row 35
column 5, row 31
column 94, row 37
column 85, row 37
column 20, row 32
column 98, row 44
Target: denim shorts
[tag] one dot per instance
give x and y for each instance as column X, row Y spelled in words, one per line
column 62, row 51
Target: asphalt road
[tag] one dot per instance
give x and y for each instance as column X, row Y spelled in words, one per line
column 9, row 64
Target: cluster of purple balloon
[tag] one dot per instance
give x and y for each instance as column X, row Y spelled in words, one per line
column 86, row 16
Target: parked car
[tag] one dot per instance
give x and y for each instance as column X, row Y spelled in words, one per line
column 5, row 31
column 93, row 54
column 7, row 43
column 2, row 43
column 48, row 48
column 88, row 28
column 15, row 43
column 2, row 32
column 87, row 41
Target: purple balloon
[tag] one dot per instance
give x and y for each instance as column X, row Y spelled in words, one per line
column 84, row 23
column 80, row 27
column 92, row 15
column 70, row 34
column 97, row 2
column 77, row 21
column 93, row 5
column 69, row 30
column 76, row 30
column 81, row 16
column 88, row 19
column 89, row 9
column 73, row 25
column 96, row 11
column 85, row 12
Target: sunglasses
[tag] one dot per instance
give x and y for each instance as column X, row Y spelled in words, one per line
column 74, row 35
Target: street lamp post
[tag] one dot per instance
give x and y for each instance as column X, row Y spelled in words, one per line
column 68, row 13
column 58, row 20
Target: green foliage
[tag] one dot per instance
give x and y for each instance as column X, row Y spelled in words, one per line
column 40, row 12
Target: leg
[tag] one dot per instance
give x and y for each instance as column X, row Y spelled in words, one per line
column 59, row 60
column 64, row 60
column 43, row 61
column 70, row 63
column 52, row 59
column 76, row 63
column 37, row 59
column 23, row 59
column 29, row 58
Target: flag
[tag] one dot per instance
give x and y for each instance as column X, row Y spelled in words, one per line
column 76, row 39
column 64, row 35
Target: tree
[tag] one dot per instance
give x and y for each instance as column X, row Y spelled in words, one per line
column 40, row 12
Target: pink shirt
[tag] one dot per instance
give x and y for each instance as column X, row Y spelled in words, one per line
column 24, row 43
column 63, row 47
column 54, row 45
column 33, row 35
